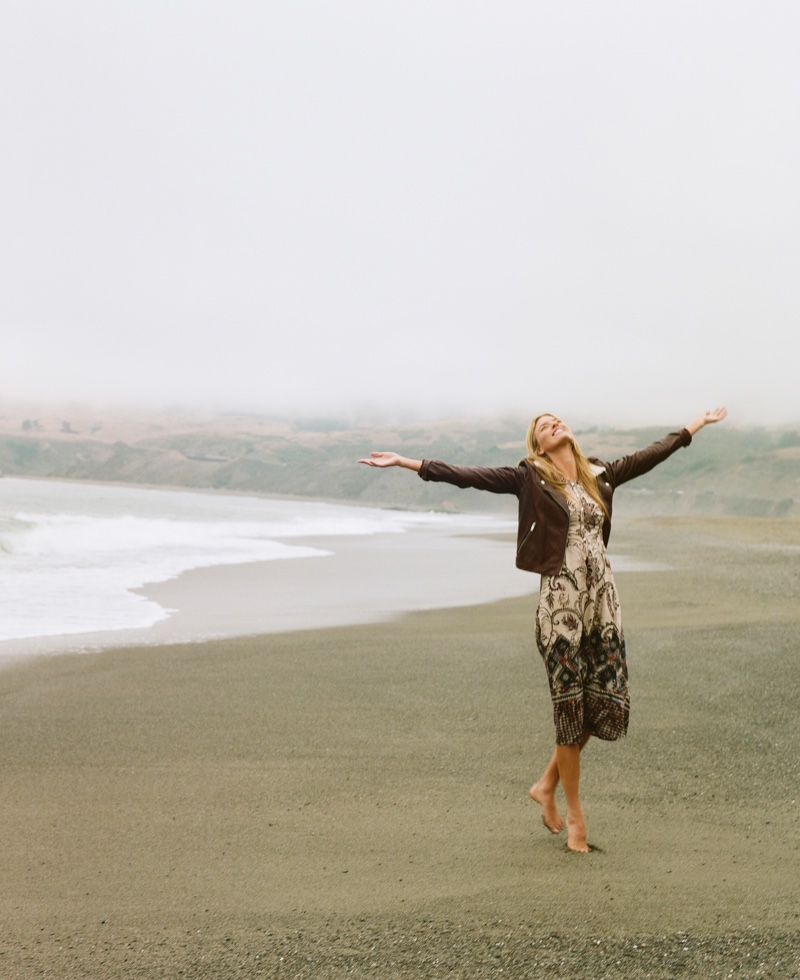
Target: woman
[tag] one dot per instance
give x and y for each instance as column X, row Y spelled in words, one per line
column 564, row 524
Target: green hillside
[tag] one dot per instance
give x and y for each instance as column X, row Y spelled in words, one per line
column 728, row 470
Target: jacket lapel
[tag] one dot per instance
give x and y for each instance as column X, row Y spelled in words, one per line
column 557, row 497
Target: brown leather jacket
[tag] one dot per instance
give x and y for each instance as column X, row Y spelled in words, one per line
column 543, row 512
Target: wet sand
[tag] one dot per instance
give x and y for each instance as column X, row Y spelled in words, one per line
column 353, row 800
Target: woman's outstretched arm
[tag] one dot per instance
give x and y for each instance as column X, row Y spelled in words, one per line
column 706, row 418
column 495, row 479
column 392, row 459
column 637, row 464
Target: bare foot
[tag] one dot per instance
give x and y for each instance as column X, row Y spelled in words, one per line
column 546, row 799
column 576, row 834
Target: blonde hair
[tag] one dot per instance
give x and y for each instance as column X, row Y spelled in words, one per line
column 553, row 476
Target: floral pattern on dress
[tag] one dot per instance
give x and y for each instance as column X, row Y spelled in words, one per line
column 579, row 632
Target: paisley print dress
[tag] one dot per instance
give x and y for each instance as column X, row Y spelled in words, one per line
column 579, row 632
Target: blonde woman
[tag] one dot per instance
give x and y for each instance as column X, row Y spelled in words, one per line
column 565, row 503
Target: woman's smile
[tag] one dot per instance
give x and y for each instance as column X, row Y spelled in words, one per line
column 551, row 432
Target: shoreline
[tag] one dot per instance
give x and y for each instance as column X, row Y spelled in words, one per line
column 361, row 579
column 315, row 802
column 182, row 615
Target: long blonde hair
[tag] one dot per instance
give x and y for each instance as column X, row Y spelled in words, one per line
column 553, row 476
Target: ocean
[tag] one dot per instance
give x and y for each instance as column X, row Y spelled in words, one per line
column 73, row 554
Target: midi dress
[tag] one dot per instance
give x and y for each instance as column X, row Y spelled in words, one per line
column 579, row 632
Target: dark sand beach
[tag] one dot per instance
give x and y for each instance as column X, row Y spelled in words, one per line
column 352, row 801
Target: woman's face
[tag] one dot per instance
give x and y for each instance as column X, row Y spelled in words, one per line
column 550, row 433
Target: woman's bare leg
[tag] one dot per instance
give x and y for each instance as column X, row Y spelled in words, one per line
column 543, row 792
column 569, row 770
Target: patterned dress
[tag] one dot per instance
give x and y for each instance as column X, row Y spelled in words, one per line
column 579, row 632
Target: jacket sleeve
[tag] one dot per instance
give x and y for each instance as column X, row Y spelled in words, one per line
column 499, row 479
column 629, row 467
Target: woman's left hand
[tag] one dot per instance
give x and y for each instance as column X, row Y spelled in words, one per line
column 707, row 418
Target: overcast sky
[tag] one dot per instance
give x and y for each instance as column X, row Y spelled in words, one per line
column 403, row 208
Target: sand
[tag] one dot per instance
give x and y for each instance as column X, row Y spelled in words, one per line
column 353, row 801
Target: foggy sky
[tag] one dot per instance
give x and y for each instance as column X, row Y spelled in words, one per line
column 416, row 208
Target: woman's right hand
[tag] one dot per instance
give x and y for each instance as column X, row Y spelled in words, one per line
column 391, row 459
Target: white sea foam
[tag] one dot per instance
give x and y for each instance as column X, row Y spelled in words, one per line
column 71, row 554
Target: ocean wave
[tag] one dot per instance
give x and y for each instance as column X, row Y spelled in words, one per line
column 72, row 555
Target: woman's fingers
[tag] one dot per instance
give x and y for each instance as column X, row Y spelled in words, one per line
column 380, row 459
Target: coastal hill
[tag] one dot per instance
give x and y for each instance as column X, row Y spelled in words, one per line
column 754, row 472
